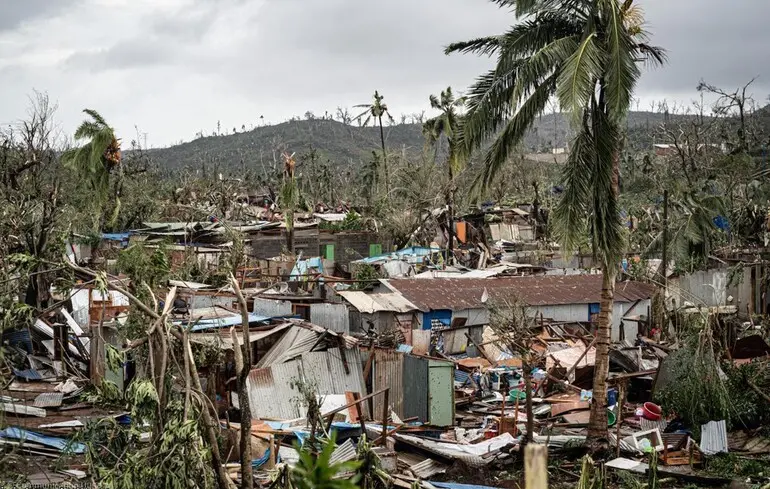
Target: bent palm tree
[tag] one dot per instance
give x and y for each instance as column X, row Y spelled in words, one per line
column 96, row 159
column 587, row 54
column 374, row 112
column 448, row 123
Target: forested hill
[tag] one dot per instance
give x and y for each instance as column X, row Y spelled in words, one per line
column 349, row 145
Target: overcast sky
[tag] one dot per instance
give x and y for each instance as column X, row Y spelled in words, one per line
column 176, row 67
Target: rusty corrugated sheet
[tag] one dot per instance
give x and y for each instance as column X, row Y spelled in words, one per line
column 388, row 372
column 270, row 392
column 459, row 294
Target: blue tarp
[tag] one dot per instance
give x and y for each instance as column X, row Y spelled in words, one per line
column 412, row 251
column 302, row 267
column 257, row 463
column 302, row 435
column 722, row 223
column 116, row 236
column 49, row 441
column 29, row 374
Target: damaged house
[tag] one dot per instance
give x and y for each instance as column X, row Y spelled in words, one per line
column 460, row 306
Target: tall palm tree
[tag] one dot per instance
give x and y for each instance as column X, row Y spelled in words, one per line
column 448, row 123
column 374, row 113
column 586, row 53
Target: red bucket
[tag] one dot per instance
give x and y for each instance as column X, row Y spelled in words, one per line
column 651, row 411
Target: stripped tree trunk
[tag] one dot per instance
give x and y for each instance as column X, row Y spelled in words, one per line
column 384, row 159
column 243, row 367
column 527, row 371
column 597, row 425
column 450, row 217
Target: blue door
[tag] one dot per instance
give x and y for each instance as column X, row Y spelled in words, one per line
column 437, row 319
column 593, row 311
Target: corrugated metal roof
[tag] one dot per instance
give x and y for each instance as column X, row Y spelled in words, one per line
column 344, row 453
column 294, row 343
column 377, row 302
column 326, row 370
column 427, row 468
column 459, row 294
column 225, row 341
column 49, row 399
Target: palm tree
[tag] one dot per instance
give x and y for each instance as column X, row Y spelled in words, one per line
column 587, row 54
column 448, row 123
column 374, row 113
column 98, row 158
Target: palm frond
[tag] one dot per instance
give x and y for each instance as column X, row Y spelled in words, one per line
column 88, row 129
column 654, row 56
column 515, row 129
column 541, row 64
column 571, row 212
column 483, row 46
column 604, row 218
column 489, row 106
column 577, row 79
column 96, row 116
column 531, row 35
column 622, row 71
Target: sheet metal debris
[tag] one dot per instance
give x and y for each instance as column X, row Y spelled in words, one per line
column 714, row 437
column 49, row 399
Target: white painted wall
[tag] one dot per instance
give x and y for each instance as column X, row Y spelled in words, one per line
column 564, row 312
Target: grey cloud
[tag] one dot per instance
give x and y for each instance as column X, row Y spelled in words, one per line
column 136, row 53
column 236, row 59
column 14, row 13
column 708, row 39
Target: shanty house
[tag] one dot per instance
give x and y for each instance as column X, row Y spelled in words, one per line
column 381, row 312
column 463, row 303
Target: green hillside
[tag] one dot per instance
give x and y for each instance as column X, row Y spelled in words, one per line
column 350, row 145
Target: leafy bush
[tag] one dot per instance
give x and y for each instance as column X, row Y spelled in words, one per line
column 700, row 398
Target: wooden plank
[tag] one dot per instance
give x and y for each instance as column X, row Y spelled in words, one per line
column 566, row 407
column 581, row 417
column 353, row 412
column 535, row 467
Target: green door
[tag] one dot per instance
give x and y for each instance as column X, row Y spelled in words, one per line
column 375, row 249
column 441, row 393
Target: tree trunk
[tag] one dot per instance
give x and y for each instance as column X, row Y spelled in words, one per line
column 210, row 426
column 384, row 159
column 290, row 233
column 450, row 217
column 597, row 426
column 527, row 371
